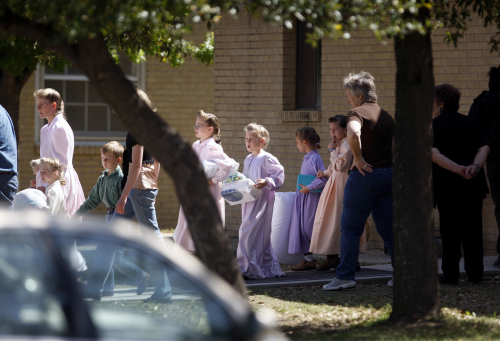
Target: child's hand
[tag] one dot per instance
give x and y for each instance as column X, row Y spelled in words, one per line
column 304, row 189
column 332, row 143
column 41, row 188
column 320, row 173
column 260, row 183
column 33, row 183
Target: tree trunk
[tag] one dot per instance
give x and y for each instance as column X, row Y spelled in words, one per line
column 10, row 94
column 172, row 151
column 415, row 259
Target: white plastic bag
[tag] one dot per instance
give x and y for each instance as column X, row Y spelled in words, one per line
column 280, row 228
column 30, row 199
column 210, row 168
column 239, row 192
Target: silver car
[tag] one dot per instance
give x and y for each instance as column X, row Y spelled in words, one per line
column 41, row 295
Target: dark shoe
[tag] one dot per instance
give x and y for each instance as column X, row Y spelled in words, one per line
column 108, row 293
column 329, row 263
column 158, row 299
column 358, row 267
column 475, row 280
column 143, row 284
column 496, row 264
column 447, row 281
column 305, row 266
column 246, row 278
column 93, row 296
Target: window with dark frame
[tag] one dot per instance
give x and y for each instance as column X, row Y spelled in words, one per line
column 308, row 71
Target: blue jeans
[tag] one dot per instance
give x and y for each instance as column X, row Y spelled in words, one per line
column 364, row 194
column 8, row 188
column 141, row 205
column 109, row 256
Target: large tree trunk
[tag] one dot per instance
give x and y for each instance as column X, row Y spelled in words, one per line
column 10, row 94
column 174, row 153
column 415, row 260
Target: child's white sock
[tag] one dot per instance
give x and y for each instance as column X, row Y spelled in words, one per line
column 309, row 257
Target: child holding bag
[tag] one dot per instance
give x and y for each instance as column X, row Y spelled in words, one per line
column 208, row 147
column 255, row 255
column 306, row 197
column 325, row 238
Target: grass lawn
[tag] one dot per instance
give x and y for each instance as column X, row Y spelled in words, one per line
column 469, row 312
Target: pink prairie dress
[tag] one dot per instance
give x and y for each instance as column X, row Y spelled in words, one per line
column 255, row 255
column 57, row 141
column 325, row 239
column 206, row 150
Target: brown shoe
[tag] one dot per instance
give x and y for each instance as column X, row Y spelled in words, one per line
column 305, row 266
column 329, row 263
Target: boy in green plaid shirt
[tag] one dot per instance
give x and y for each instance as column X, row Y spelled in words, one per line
column 107, row 191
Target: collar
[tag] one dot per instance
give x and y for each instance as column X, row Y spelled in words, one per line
column 105, row 172
column 56, row 119
column 310, row 154
column 206, row 141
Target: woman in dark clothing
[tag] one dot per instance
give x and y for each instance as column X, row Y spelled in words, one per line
column 459, row 190
column 486, row 112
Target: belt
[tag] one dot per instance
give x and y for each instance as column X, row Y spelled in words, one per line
column 111, row 210
column 11, row 173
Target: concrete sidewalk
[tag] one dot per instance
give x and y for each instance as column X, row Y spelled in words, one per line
column 380, row 273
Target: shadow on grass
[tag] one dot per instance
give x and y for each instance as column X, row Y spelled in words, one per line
column 442, row 328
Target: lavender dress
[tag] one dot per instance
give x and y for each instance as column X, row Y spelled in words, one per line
column 255, row 255
column 304, row 206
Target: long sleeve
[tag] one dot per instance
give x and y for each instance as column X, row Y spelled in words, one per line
column 215, row 153
column 317, row 183
column 276, row 172
column 92, row 202
column 342, row 158
column 55, row 201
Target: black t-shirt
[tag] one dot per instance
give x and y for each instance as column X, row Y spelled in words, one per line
column 486, row 112
column 377, row 131
column 127, row 157
column 458, row 137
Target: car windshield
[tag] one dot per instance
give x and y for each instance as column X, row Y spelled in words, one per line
column 127, row 292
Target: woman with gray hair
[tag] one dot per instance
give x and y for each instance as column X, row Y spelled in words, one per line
column 369, row 187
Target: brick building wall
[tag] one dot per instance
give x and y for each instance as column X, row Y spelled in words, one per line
column 255, row 82
column 178, row 94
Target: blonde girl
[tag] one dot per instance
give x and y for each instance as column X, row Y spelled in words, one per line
column 207, row 129
column 52, row 173
column 255, row 255
column 306, row 198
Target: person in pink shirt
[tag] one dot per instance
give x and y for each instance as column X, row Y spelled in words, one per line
column 57, row 141
column 208, row 147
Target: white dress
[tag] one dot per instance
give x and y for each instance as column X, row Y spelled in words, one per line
column 57, row 141
column 206, row 150
column 55, row 200
column 255, row 255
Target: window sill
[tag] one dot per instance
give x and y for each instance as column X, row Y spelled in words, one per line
column 301, row 116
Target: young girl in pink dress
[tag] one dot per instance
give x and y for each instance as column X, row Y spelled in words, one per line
column 306, row 199
column 208, row 147
column 325, row 238
column 255, row 255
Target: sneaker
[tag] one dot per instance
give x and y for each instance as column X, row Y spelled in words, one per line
column 329, row 263
column 108, row 293
column 338, row 284
column 91, row 295
column 305, row 266
column 390, row 283
column 496, row 264
column 158, row 298
column 142, row 285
